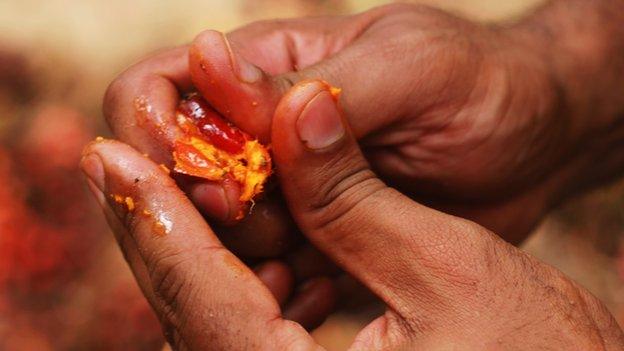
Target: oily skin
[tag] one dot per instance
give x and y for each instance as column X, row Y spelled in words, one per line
column 472, row 91
column 211, row 64
column 477, row 121
column 447, row 282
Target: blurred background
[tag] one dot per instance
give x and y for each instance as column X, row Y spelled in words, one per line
column 63, row 283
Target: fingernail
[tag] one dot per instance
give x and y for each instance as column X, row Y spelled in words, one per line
column 320, row 124
column 97, row 193
column 92, row 167
column 211, row 199
column 246, row 71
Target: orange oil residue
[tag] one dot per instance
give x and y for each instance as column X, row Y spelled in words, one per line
column 117, row 198
column 159, row 228
column 164, row 168
column 162, row 225
column 214, row 149
column 126, row 201
column 129, row 203
column 142, row 108
column 335, row 92
column 234, row 264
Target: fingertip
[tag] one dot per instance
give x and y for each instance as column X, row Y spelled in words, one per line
column 306, row 119
column 237, row 208
column 140, row 104
column 217, row 200
column 235, row 87
column 206, row 38
column 266, row 231
column 210, row 198
column 116, row 168
column 313, row 303
column 278, row 278
column 207, row 52
column 96, row 155
column 212, row 49
column 91, row 165
column 209, row 64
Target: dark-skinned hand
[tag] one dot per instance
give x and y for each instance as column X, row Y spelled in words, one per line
column 459, row 116
column 448, row 283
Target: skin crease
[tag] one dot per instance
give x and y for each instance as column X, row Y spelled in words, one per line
column 472, row 92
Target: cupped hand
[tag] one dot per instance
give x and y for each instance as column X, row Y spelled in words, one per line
column 448, row 282
column 451, row 113
column 164, row 239
column 463, row 117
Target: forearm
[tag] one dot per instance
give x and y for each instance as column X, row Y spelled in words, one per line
column 583, row 41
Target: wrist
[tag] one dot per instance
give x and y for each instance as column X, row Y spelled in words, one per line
column 583, row 51
column 583, row 75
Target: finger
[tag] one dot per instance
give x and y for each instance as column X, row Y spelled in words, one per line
column 278, row 279
column 313, row 301
column 140, row 104
column 140, row 108
column 245, row 73
column 129, row 247
column 405, row 253
column 267, row 232
column 308, row 262
column 311, row 305
column 206, row 298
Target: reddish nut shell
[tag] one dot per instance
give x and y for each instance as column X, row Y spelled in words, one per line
column 217, row 131
column 214, row 149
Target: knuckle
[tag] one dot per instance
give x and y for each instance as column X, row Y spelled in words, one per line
column 165, row 274
column 169, row 329
column 116, row 94
column 172, row 334
column 169, row 272
column 341, row 173
column 287, row 80
column 349, row 181
column 331, row 70
column 457, row 251
column 172, row 273
column 120, row 90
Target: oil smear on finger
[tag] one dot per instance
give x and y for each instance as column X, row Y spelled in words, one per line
column 161, row 224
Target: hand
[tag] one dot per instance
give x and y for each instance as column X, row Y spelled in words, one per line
column 448, row 283
column 162, row 235
column 464, row 117
column 458, row 115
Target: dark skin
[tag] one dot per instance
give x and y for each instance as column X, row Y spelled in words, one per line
column 496, row 124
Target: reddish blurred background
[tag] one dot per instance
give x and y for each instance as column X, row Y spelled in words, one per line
column 63, row 283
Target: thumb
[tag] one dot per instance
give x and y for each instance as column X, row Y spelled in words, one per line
column 244, row 74
column 404, row 252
